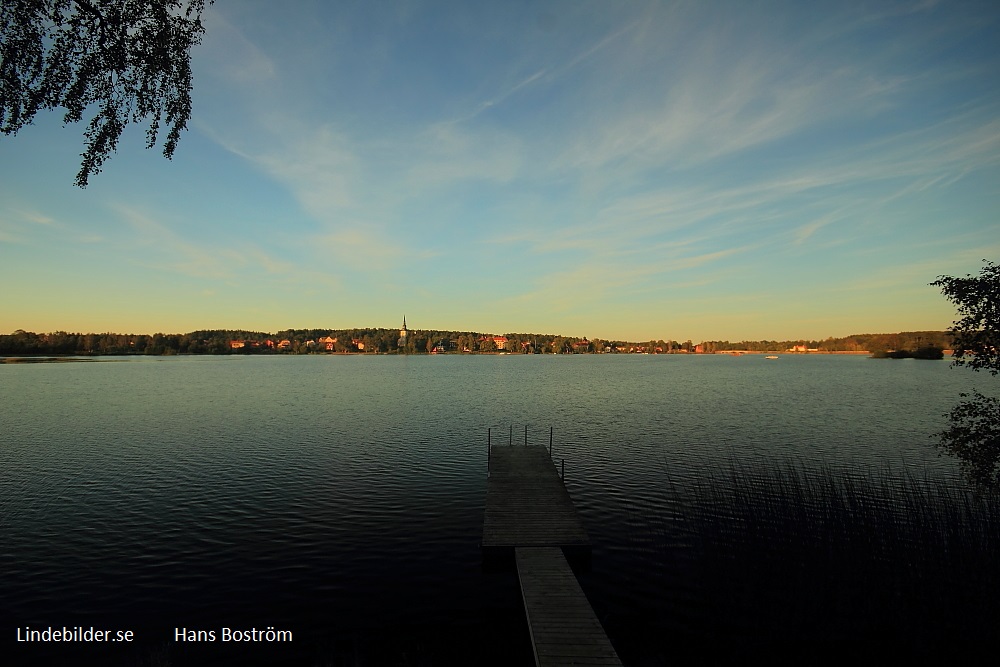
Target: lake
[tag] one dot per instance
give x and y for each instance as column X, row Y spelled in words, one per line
column 341, row 498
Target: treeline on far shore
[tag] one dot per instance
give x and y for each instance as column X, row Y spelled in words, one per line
column 858, row 343
column 920, row 344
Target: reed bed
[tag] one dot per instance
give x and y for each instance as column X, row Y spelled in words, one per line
column 783, row 556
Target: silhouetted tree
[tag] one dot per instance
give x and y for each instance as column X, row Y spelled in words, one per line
column 973, row 434
column 976, row 336
column 127, row 61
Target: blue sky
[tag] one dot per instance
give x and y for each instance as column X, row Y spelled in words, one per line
column 631, row 170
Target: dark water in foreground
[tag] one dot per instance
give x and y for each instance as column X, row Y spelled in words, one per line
column 341, row 498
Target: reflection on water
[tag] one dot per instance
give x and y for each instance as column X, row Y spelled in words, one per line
column 342, row 497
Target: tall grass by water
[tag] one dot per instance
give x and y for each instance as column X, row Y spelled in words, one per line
column 785, row 557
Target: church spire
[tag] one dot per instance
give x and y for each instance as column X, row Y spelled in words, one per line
column 403, row 333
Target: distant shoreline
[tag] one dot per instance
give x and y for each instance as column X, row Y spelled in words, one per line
column 70, row 358
column 420, row 341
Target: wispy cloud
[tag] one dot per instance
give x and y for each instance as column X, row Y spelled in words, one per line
column 806, row 231
column 22, row 225
column 446, row 155
column 711, row 111
column 177, row 255
column 318, row 164
column 231, row 55
column 603, row 276
column 166, row 250
column 596, row 48
column 37, row 218
column 7, row 236
column 367, row 248
column 824, row 191
column 498, row 99
column 915, row 276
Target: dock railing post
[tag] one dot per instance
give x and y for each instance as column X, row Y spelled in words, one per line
column 550, row 442
column 563, row 475
column 489, row 447
column 525, row 435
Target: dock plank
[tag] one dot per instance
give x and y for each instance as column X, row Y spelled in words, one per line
column 564, row 628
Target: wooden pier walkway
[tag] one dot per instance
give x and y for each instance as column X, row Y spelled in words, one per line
column 564, row 628
column 531, row 518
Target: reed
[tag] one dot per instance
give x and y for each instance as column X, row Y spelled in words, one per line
column 786, row 554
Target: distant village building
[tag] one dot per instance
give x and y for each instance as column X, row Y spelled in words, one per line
column 444, row 345
column 499, row 342
column 241, row 344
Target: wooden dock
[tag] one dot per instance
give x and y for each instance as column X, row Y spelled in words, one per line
column 531, row 520
column 527, row 504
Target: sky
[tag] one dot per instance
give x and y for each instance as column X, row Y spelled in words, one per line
column 618, row 170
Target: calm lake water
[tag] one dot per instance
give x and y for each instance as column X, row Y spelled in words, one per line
column 342, row 497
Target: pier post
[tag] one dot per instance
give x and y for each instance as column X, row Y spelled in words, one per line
column 525, row 435
column 489, row 447
column 563, row 475
column 550, row 442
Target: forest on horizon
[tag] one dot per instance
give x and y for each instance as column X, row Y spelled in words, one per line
column 417, row 341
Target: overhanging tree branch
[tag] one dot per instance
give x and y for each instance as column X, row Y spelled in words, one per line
column 129, row 61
